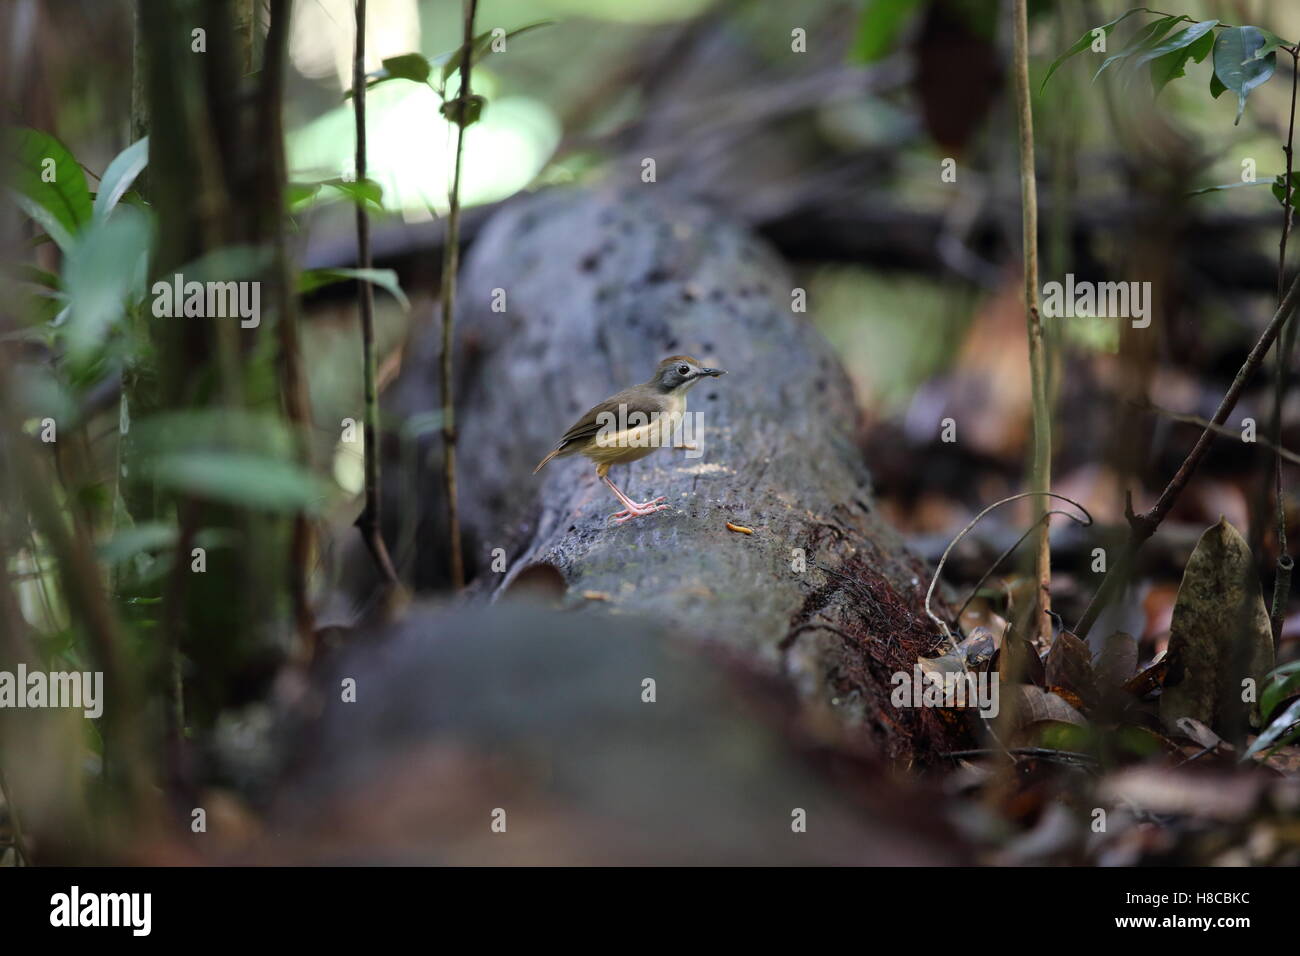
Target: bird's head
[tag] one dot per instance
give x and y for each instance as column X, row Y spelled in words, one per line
column 677, row 373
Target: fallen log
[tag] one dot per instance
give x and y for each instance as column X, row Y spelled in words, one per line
column 571, row 296
column 514, row 734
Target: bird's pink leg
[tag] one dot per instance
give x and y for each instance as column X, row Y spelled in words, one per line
column 632, row 509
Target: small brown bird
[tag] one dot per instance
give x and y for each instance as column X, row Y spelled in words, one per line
column 630, row 425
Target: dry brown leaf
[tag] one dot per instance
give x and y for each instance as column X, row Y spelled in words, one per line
column 1036, row 705
column 1069, row 665
column 1117, row 661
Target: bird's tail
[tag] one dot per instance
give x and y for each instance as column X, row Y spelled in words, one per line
column 541, row 464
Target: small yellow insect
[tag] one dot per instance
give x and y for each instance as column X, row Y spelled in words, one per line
column 739, row 528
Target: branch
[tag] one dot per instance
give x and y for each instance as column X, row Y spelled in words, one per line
column 1143, row 526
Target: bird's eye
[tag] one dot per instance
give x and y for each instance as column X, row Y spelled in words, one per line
column 683, row 370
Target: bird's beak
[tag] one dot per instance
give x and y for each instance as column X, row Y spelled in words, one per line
column 715, row 372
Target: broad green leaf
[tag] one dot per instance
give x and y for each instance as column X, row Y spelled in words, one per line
column 213, row 429
column 61, row 206
column 1146, row 37
column 119, row 176
column 879, row 27
column 1085, row 41
column 1172, row 65
column 240, row 478
column 1179, row 41
column 313, row 279
column 1235, row 66
column 1271, row 42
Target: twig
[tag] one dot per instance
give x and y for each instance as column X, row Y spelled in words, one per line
column 970, row 596
column 1044, row 753
column 368, row 522
column 450, row 266
column 934, row 581
column 1223, row 430
column 1143, row 526
column 1040, row 471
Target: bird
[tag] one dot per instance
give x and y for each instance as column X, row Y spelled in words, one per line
column 630, row 425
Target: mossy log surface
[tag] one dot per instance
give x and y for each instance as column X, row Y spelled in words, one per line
column 591, row 289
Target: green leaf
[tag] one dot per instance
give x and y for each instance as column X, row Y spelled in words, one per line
column 24, row 272
column 1235, row 65
column 1172, row 65
column 365, row 192
column 481, row 46
column 1179, row 41
column 1085, row 41
column 1284, row 682
column 127, row 543
column 240, row 478
column 227, row 264
column 1275, row 735
column 1271, row 42
column 1280, row 190
column 408, row 66
column 1145, row 38
column 313, row 279
column 104, row 270
column 298, row 195
column 878, row 29
column 61, row 206
column 119, row 176
column 1216, row 85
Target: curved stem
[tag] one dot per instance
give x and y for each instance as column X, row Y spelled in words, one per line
column 934, row 581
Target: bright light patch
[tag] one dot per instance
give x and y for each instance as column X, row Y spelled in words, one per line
column 411, row 148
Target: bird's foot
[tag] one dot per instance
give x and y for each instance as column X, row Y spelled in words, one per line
column 640, row 508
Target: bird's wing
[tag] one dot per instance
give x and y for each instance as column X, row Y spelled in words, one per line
column 635, row 399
